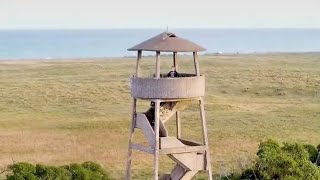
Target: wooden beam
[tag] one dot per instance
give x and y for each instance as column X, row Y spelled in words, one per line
column 133, row 118
column 196, row 63
column 156, row 129
column 175, row 60
column 205, row 137
column 190, row 143
column 158, row 64
column 178, row 124
column 186, row 149
column 138, row 63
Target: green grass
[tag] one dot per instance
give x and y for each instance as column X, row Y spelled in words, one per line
column 58, row 112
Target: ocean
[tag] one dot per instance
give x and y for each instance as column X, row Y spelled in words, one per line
column 51, row 44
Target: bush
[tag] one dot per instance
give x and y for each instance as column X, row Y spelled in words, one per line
column 313, row 152
column 22, row 171
column 51, row 172
column 284, row 161
column 84, row 171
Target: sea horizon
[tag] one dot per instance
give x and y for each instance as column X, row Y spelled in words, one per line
column 28, row 44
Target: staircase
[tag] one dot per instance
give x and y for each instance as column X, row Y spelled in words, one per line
column 189, row 156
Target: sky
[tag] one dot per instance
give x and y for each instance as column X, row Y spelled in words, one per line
column 115, row 14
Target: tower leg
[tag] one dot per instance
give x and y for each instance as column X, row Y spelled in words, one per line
column 134, row 105
column 178, row 125
column 156, row 148
column 205, row 137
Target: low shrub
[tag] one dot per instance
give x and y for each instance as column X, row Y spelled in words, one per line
column 84, row 171
column 22, row 171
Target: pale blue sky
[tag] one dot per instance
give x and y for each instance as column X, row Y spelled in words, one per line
column 106, row 14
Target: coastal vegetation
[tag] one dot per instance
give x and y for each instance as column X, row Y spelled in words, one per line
column 59, row 112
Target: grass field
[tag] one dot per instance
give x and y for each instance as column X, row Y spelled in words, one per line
column 63, row 111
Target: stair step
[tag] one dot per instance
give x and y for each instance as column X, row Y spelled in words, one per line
column 190, row 160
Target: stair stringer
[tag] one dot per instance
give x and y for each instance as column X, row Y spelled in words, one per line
column 142, row 123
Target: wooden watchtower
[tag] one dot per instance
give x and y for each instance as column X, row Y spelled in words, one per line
column 169, row 96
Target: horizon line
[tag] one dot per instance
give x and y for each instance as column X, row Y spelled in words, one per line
column 150, row 28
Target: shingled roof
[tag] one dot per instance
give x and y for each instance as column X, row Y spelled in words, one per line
column 167, row 42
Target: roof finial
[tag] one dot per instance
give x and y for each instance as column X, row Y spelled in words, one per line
column 167, row 28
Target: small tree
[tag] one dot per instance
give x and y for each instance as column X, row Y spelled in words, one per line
column 284, row 161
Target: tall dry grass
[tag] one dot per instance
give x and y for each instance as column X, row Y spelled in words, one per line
column 63, row 111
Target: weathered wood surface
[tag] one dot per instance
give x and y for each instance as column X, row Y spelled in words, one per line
column 205, row 137
column 190, row 161
column 168, row 88
column 156, row 149
column 158, row 64
column 178, row 125
column 196, row 63
column 175, row 60
column 143, row 124
column 170, row 142
column 183, row 149
column 190, row 143
column 133, row 118
column 138, row 63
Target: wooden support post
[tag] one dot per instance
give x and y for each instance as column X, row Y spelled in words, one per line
column 138, row 63
column 175, row 61
column 196, row 63
column 158, row 64
column 156, row 150
column 178, row 124
column 205, row 137
column 133, row 122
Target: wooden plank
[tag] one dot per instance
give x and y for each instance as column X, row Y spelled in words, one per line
column 133, row 115
column 158, row 64
column 170, row 142
column 138, row 63
column 205, row 137
column 196, row 63
column 162, row 129
column 190, row 143
column 143, row 124
column 142, row 148
column 156, row 129
column 183, row 149
column 190, row 161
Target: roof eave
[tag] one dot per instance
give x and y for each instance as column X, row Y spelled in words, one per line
column 155, row 50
